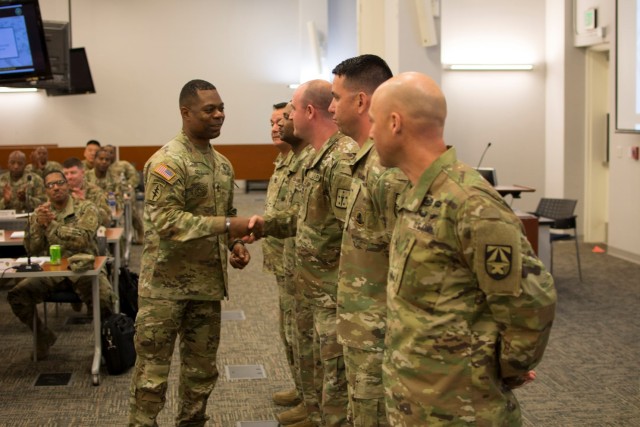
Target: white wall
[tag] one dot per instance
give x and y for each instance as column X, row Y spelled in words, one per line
column 142, row 52
column 506, row 108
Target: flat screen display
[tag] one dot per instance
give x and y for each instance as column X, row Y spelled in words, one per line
column 23, row 51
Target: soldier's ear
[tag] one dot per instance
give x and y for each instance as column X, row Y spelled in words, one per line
column 184, row 112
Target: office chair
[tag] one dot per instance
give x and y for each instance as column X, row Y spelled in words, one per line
column 564, row 223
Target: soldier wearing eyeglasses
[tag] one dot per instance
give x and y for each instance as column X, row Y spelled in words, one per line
column 72, row 224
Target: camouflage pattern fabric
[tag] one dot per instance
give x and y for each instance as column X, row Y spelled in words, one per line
column 98, row 197
column 50, row 166
column 123, row 168
column 327, row 183
column 158, row 323
column 364, row 259
column 330, row 368
column 273, row 248
column 366, row 392
column 110, row 183
column 188, row 193
column 35, row 192
column 470, row 305
column 74, row 229
column 310, row 382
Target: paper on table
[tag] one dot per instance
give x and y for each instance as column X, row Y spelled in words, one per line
column 17, row 235
column 34, row 260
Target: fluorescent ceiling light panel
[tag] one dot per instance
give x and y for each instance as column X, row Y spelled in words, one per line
column 489, row 67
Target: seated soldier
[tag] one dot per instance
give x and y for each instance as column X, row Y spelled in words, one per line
column 82, row 190
column 129, row 180
column 40, row 163
column 18, row 191
column 90, row 154
column 72, row 224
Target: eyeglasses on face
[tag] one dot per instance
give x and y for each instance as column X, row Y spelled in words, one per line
column 59, row 183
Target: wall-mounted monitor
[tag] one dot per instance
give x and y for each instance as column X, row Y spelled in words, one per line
column 80, row 80
column 23, row 51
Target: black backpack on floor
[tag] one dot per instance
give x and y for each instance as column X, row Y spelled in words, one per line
column 117, row 343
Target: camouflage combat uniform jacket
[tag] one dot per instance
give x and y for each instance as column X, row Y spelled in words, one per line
column 187, row 196
column 98, row 197
column 36, row 192
column 273, row 248
column 50, row 166
column 124, row 169
column 74, row 229
column 470, row 305
column 110, row 183
column 327, row 183
column 364, row 259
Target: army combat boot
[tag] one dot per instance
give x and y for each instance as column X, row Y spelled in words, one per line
column 293, row 415
column 304, row 423
column 286, row 397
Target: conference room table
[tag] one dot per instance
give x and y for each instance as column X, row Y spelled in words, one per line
column 62, row 270
column 513, row 190
column 113, row 235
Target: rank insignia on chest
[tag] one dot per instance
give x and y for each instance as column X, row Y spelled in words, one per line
column 497, row 261
column 165, row 172
column 341, row 198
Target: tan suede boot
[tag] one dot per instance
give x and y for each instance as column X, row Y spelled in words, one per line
column 304, row 423
column 286, row 397
column 46, row 338
column 293, row 415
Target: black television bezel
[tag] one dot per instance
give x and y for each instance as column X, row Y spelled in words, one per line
column 80, row 78
column 35, row 32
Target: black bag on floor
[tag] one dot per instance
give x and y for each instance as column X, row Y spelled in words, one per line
column 117, row 343
column 128, row 288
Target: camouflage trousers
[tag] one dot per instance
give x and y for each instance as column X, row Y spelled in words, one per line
column 29, row 292
column 286, row 302
column 158, row 324
column 330, row 364
column 366, row 391
column 303, row 352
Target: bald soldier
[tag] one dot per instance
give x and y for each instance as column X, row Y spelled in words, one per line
column 40, row 163
column 470, row 306
column 20, row 190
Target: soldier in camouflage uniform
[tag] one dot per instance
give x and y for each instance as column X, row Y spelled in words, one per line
column 364, row 259
column 40, row 163
column 319, row 232
column 82, row 190
column 470, row 304
column 90, row 154
column 297, row 320
column 18, row 191
column 273, row 249
column 188, row 216
column 104, row 177
column 72, row 224
column 127, row 175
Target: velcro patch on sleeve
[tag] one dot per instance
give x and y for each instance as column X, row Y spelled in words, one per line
column 165, row 172
column 498, row 260
column 342, row 197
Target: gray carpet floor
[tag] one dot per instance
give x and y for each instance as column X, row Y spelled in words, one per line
column 587, row 378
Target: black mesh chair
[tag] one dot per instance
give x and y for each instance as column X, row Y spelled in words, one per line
column 561, row 211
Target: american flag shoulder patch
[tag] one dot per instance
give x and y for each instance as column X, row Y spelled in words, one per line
column 165, row 172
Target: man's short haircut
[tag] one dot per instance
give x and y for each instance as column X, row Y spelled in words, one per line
column 44, row 178
column 17, row 154
column 93, row 142
column 102, row 150
column 190, row 91
column 71, row 162
column 364, row 72
column 279, row 105
column 318, row 94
